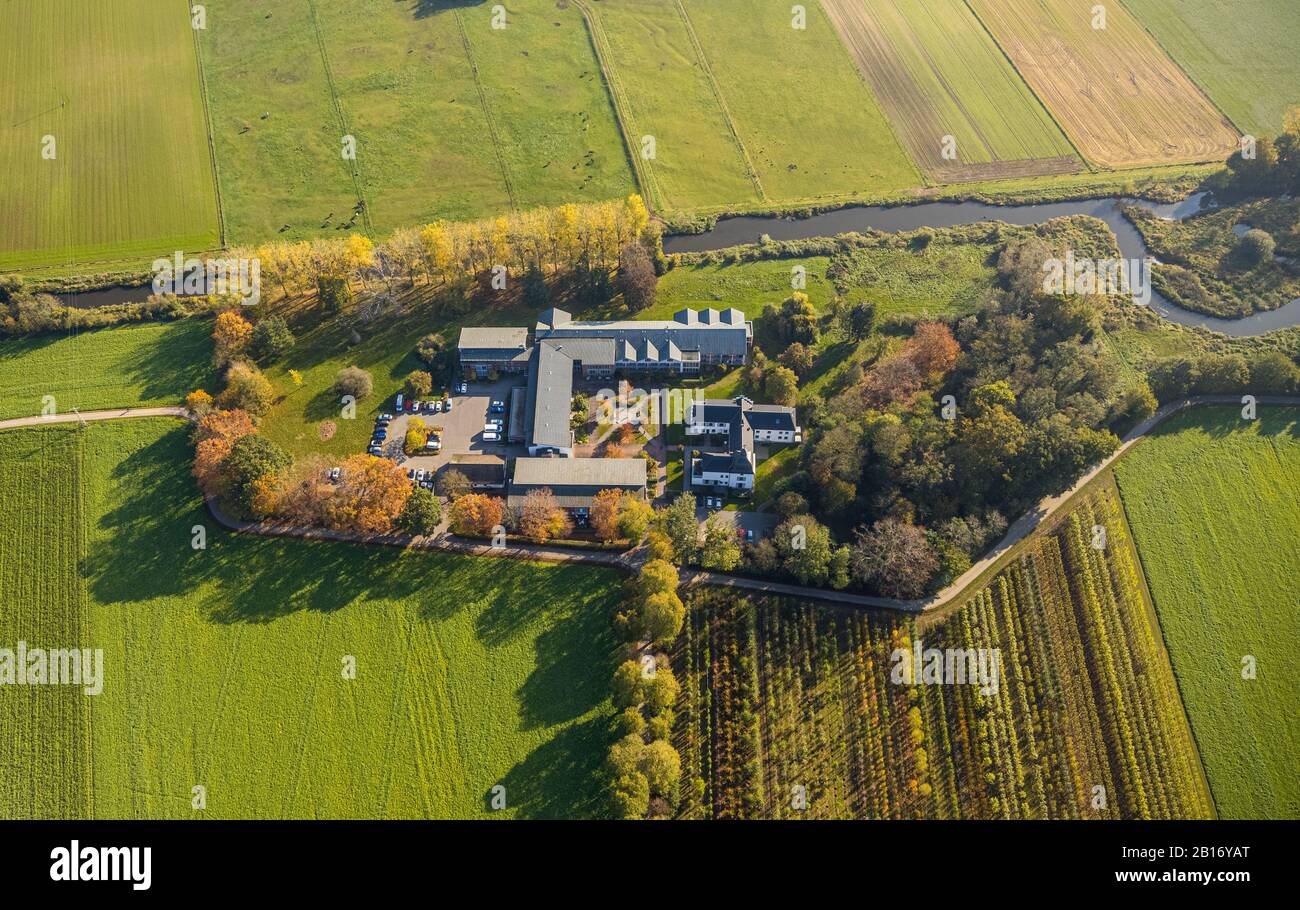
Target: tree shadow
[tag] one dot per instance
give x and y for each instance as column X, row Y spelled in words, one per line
column 561, row 777
column 423, row 9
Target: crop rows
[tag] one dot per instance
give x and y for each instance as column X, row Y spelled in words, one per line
column 1084, row 720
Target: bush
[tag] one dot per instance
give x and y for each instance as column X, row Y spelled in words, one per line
column 418, row 383
column 271, row 338
column 247, row 390
column 252, row 458
column 354, row 381
column 1256, row 247
column 421, row 515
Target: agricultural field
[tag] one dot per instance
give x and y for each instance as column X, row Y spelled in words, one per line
column 103, row 143
column 941, row 78
column 1214, row 502
column 452, row 118
column 155, row 363
column 743, row 108
column 779, row 695
column 1117, row 95
column 469, row 672
column 1240, row 52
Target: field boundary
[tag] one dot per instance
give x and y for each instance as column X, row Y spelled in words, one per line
column 1021, row 76
column 493, row 135
column 698, row 47
column 212, row 139
column 604, row 60
column 354, row 169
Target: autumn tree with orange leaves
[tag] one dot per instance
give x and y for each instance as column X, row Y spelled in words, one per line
column 231, row 334
column 476, row 515
column 369, row 495
column 541, row 518
column 214, row 436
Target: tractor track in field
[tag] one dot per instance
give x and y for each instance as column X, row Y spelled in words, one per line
column 493, row 133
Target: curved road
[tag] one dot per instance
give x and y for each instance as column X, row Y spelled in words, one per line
column 631, row 560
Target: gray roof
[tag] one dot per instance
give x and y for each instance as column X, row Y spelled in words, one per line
column 483, row 469
column 771, row 417
column 574, row 482
column 724, row 333
column 492, row 342
column 735, row 462
column 550, row 397
column 590, row 352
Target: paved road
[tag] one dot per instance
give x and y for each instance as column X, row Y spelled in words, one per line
column 630, row 561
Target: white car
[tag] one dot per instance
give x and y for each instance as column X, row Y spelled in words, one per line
column 491, row 436
column 447, row 404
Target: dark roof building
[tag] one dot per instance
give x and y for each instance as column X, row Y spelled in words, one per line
column 484, row 472
column 691, row 337
column 493, row 347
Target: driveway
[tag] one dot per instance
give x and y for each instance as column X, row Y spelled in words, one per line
column 462, row 427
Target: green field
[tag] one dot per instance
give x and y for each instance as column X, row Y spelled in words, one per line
column 1240, row 52
column 117, row 87
column 154, row 363
column 743, row 108
column 452, row 118
column 223, row 667
column 1214, row 503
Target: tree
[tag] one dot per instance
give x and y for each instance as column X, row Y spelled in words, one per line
column 797, row 319
column 932, row 349
column 660, row 690
column 1256, row 246
column 417, row 434
column 634, row 519
column 271, row 339
column 656, row 577
column 662, row 616
column 682, row 527
column 662, row 767
column 859, row 320
column 353, row 381
column 214, row 436
column 628, row 687
column 720, row 551
column 334, row 293
column 474, row 514
column 658, row 548
column 418, row 383
column 247, row 390
column 1274, row 372
column 630, row 795
column 798, row 357
column 782, row 386
column 453, row 484
column 369, row 496
column 791, row 503
column 198, row 403
column 541, row 518
column 636, row 277
column 536, row 293
column 231, row 334
column 804, row 548
column 421, row 515
column 251, row 459
column 893, row 557
column 606, row 507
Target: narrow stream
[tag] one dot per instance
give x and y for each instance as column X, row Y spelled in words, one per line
column 893, row 219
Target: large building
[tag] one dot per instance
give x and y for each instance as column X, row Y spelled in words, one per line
column 745, row 425
column 596, row 350
column 574, row 482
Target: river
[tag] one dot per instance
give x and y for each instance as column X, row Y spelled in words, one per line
column 892, row 219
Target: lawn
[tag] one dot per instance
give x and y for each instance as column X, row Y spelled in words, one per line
column 747, row 286
column 1214, row 503
column 1117, row 95
column 154, row 363
column 1240, row 52
column 939, row 75
column 224, row 666
column 115, row 89
column 452, row 118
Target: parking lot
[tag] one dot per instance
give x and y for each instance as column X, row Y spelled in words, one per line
column 461, row 427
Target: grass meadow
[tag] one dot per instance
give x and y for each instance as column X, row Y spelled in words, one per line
column 1214, row 502
column 224, row 666
column 115, row 89
column 1117, row 95
column 1240, row 52
column 155, row 363
column 939, row 74
column 452, row 118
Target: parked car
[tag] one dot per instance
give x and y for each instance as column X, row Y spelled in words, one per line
column 447, row 404
column 498, row 407
column 412, row 406
column 385, row 417
column 335, row 474
column 491, row 436
column 375, row 449
column 749, row 535
column 419, row 476
column 381, row 433
column 462, row 387
column 410, row 473
column 496, row 424
column 398, row 404
column 433, row 445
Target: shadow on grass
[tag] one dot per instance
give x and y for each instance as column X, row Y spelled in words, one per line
column 561, row 777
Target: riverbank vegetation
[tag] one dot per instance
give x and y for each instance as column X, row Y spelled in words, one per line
column 793, row 711
column 1214, row 503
